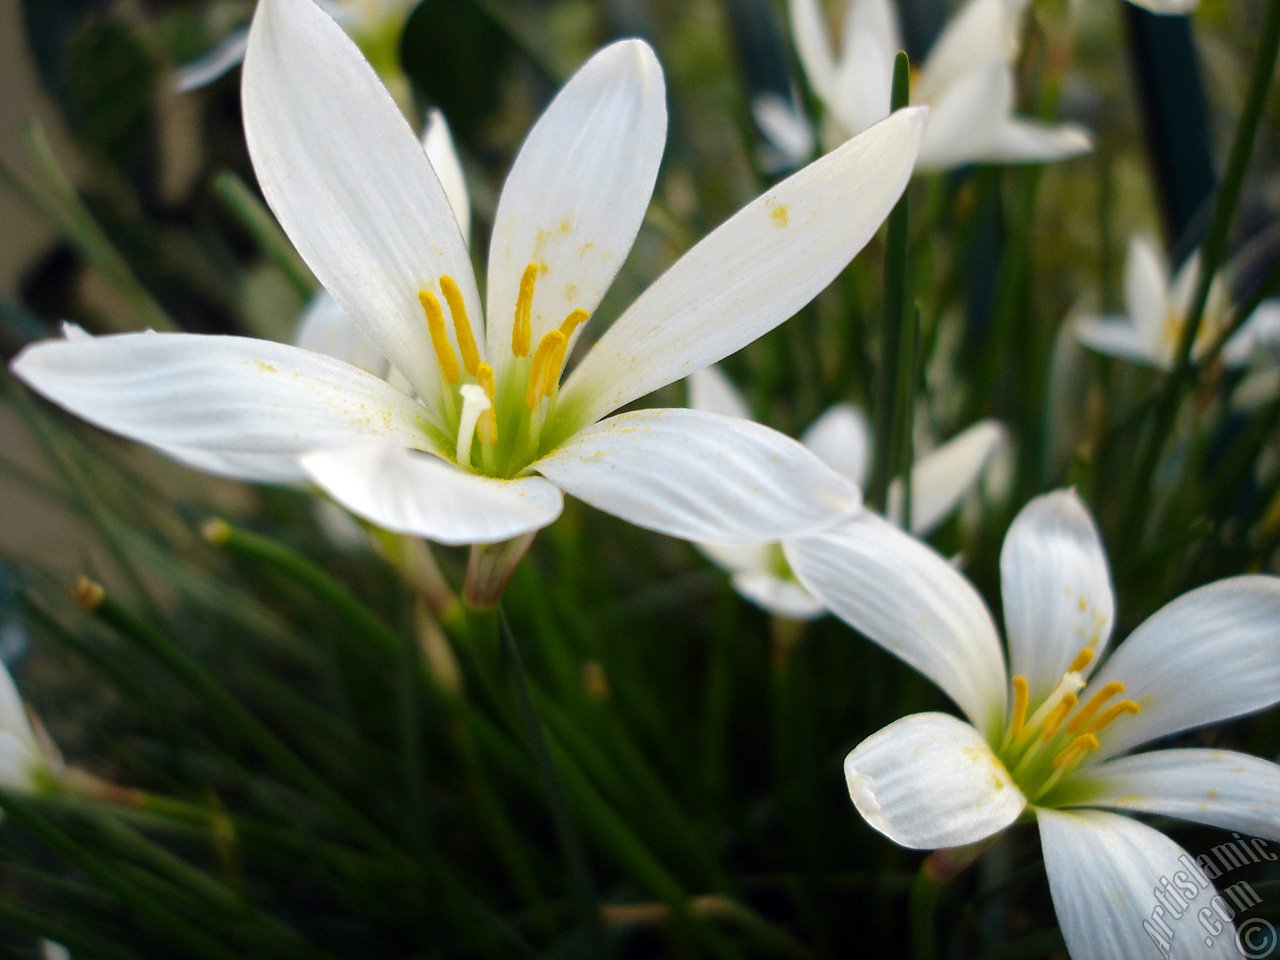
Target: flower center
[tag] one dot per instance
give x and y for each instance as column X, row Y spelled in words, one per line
column 1041, row 749
column 507, row 418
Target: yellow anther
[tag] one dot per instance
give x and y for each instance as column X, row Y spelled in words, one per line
column 1075, row 750
column 439, row 336
column 1094, row 703
column 572, row 321
column 1109, row 714
column 555, row 363
column 1020, row 696
column 522, row 332
column 461, row 325
column 1082, row 660
column 1054, row 720
column 550, row 345
column 484, row 375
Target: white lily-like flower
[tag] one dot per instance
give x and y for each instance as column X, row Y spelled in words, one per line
column 967, row 79
column 1049, row 744
column 26, row 756
column 374, row 24
column 482, row 447
column 842, row 438
column 1156, row 308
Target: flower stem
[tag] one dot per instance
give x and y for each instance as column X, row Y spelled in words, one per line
column 1225, row 201
column 584, row 894
column 896, row 329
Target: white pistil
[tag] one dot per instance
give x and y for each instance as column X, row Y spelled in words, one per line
column 474, row 402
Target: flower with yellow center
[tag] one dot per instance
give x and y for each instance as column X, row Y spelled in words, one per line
column 474, row 438
column 967, row 80
column 1050, row 744
column 1156, row 309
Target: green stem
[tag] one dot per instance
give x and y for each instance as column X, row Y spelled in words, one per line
column 890, row 382
column 1225, row 200
column 566, row 828
column 257, row 219
column 925, row 892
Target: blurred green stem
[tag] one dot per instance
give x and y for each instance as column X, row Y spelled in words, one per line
column 257, row 219
column 584, row 893
column 895, row 335
column 1225, row 201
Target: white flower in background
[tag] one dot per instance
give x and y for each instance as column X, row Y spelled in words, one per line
column 375, row 25
column 939, row 480
column 967, row 80
column 1048, row 745
column 481, row 449
column 787, row 132
column 1156, row 309
column 26, row 757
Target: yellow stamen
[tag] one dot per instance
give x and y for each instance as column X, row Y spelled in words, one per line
column 1082, row 660
column 550, row 345
column 555, row 363
column 487, row 426
column 1020, row 695
column 461, row 324
column 439, row 337
column 1075, row 750
column 1094, row 703
column 1054, row 720
column 571, row 322
column 522, row 332
column 1109, row 714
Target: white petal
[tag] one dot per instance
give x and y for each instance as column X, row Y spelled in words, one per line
column 941, row 478
column 929, row 781
column 1104, row 874
column 982, row 33
column 1020, row 141
column 1222, row 788
column 350, row 183
column 967, row 117
column 200, row 73
column 700, row 476
column 842, row 438
column 1258, row 335
column 19, row 761
column 786, row 127
column 578, row 191
column 1168, row 7
column 251, row 467
column 779, row 596
column 739, row 557
column 438, row 144
column 1118, row 338
column 325, row 328
column 13, row 714
column 876, row 19
column 418, row 494
column 1146, row 292
column 813, row 44
column 1212, row 654
column 863, row 91
column 712, row 391
column 221, row 394
column 901, row 594
column 754, row 271
column 1056, row 588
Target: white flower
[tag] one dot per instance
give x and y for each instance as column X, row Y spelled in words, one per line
column 1157, row 308
column 967, row 80
column 373, row 24
column 1049, row 743
column 458, row 460
column 24, row 755
column 840, row 436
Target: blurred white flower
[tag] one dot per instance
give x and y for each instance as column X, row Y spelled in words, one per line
column 371, row 23
column 479, row 445
column 26, row 756
column 939, row 481
column 1156, row 311
column 1047, row 745
column 967, row 80
column 788, row 135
